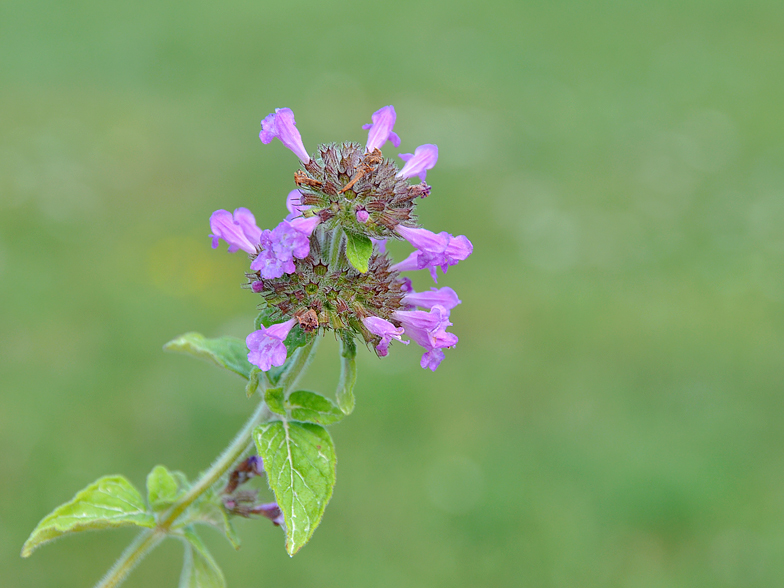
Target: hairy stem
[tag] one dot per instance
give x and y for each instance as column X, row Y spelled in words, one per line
column 148, row 540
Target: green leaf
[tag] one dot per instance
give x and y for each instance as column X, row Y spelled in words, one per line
column 313, row 408
column 109, row 502
column 227, row 352
column 358, row 251
column 208, row 509
column 300, row 463
column 163, row 487
column 253, row 381
column 274, row 399
column 348, row 374
column 199, row 569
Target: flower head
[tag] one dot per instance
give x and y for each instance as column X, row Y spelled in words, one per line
column 325, row 266
column 381, row 129
column 417, row 163
column 281, row 124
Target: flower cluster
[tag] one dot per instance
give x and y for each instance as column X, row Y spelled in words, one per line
column 325, row 266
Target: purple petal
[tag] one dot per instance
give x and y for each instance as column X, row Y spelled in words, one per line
column 432, row 359
column 381, row 128
column 279, row 247
column 433, row 250
column 266, row 345
column 445, row 297
column 306, row 226
column 428, row 329
column 423, row 159
column 381, row 244
column 293, row 203
column 362, row 216
column 239, row 231
column 281, row 124
column 384, row 329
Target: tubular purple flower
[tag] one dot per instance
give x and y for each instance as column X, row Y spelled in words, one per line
column 281, row 124
column 381, row 244
column 270, row 511
column 417, row 164
column 433, row 250
column 428, row 329
column 384, row 329
column 266, row 345
column 293, row 203
column 239, row 231
column 281, row 245
column 381, row 129
column 445, row 297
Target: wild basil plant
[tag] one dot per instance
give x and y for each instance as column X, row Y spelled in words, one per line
column 323, row 268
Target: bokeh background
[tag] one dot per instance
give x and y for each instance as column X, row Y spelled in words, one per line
column 613, row 414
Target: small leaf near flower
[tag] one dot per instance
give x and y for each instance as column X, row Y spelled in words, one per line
column 348, row 374
column 274, row 399
column 199, row 569
column 227, row 352
column 163, row 488
column 313, row 408
column 109, row 502
column 300, row 462
column 359, row 248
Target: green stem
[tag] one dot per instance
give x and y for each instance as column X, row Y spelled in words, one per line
column 141, row 546
column 148, row 540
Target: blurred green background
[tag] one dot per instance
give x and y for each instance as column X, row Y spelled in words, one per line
column 613, row 414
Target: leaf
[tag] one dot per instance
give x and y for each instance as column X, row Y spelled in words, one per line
column 227, row 352
column 163, row 487
column 358, row 251
column 208, row 509
column 348, row 374
column 300, row 463
column 274, row 399
column 109, row 502
column 313, row 408
column 199, row 569
column 253, row 381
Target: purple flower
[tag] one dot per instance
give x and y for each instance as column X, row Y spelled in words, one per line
column 381, row 244
column 281, row 124
column 433, row 250
column 417, row 164
column 266, row 345
column 293, row 203
column 239, row 231
column 428, row 329
column 445, row 297
column 362, row 216
column 381, row 129
column 270, row 511
column 384, row 329
column 281, row 245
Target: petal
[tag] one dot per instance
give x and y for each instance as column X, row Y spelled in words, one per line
column 381, row 129
column 423, row 159
column 281, row 124
column 223, row 226
column 445, row 297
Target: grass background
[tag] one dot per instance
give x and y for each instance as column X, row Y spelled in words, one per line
column 613, row 414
